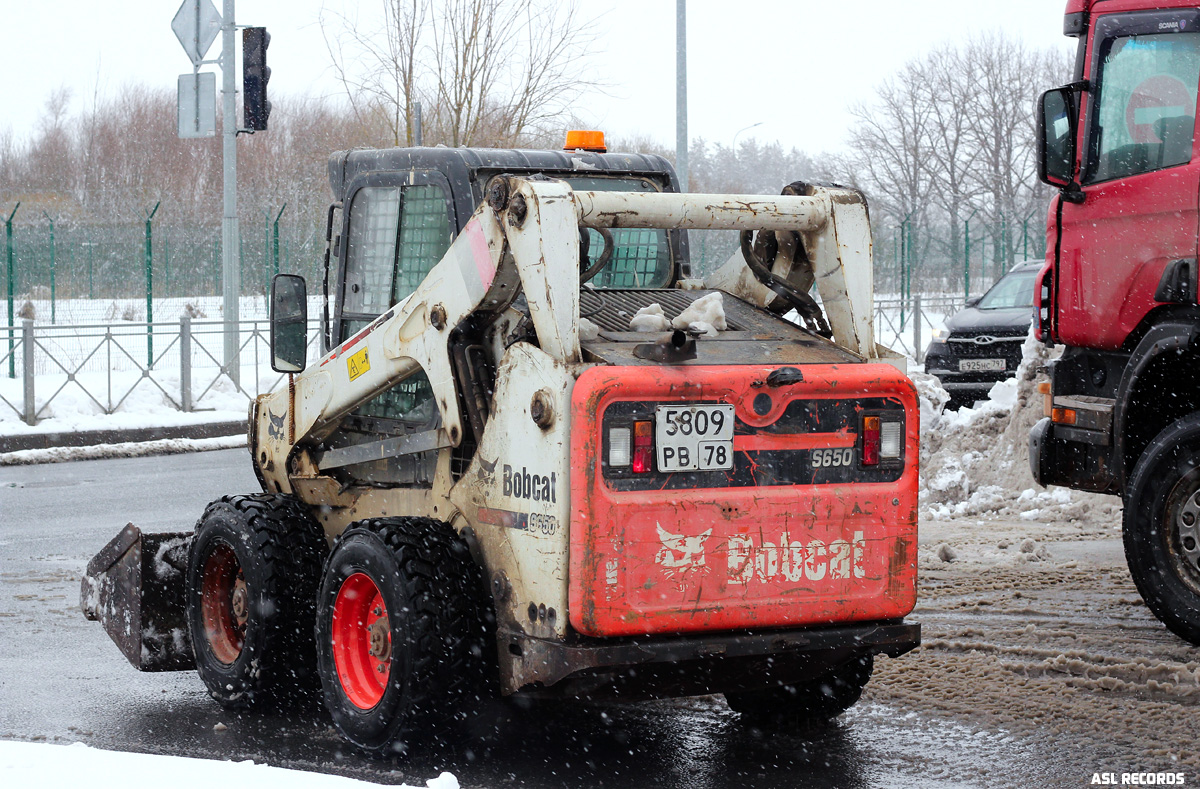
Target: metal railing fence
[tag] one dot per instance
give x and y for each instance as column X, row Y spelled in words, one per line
column 110, row 366
column 906, row 324
column 180, row 364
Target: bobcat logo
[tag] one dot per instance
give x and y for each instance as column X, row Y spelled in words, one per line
column 274, row 427
column 487, row 471
column 680, row 555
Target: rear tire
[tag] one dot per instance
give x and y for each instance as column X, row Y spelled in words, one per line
column 818, row 700
column 252, row 576
column 401, row 638
column 1162, row 527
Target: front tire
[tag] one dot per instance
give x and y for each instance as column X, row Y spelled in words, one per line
column 252, row 576
column 817, row 700
column 401, row 640
column 1162, row 527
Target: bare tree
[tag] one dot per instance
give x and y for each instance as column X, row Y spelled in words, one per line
column 949, row 93
column 377, row 63
column 549, row 73
column 50, row 163
column 890, row 153
column 488, row 72
column 950, row 137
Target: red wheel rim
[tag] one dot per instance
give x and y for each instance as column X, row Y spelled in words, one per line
column 224, row 603
column 362, row 641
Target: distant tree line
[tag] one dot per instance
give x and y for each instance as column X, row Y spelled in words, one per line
column 949, row 137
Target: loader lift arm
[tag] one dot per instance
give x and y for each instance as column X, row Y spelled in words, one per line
column 526, row 241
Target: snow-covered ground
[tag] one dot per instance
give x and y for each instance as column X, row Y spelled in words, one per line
column 25, row 765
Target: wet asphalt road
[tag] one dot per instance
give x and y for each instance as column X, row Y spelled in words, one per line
column 62, row 680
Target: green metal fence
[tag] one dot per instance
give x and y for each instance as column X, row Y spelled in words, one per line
column 57, row 270
column 911, row 260
column 61, row 271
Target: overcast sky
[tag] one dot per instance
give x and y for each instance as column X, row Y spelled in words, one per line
column 793, row 66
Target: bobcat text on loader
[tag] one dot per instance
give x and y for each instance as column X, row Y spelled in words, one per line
column 489, row 483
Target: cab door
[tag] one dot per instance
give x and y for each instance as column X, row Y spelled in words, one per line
column 397, row 227
column 1140, row 174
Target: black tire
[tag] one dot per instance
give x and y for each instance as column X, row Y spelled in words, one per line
column 276, row 549
column 818, row 700
column 1162, row 547
column 438, row 651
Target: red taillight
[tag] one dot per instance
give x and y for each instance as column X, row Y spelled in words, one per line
column 643, row 447
column 870, row 441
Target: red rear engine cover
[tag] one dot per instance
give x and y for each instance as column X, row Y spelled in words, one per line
column 786, row 538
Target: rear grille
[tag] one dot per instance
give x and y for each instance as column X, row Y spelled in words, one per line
column 612, row 309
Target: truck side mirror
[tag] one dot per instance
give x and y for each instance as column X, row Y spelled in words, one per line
column 1056, row 138
column 289, row 323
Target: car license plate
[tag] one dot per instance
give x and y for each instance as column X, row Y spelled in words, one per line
column 980, row 365
column 693, row 437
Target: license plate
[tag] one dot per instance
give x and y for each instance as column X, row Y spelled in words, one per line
column 980, row 365
column 693, row 437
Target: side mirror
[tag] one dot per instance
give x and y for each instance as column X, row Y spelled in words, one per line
column 971, row 302
column 1057, row 126
column 289, row 323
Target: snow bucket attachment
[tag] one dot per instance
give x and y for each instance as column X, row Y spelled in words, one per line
column 134, row 587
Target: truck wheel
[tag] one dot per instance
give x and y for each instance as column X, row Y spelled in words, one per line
column 1162, row 527
column 793, row 705
column 252, row 577
column 401, row 641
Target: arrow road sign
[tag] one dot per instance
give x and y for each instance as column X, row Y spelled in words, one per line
column 196, row 25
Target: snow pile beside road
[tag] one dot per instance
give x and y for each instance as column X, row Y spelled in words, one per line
column 49, row 766
column 125, row 449
column 139, row 402
column 975, row 461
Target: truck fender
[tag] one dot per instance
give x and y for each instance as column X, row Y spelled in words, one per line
column 1164, row 338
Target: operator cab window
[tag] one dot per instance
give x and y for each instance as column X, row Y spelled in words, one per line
column 641, row 257
column 1145, row 113
column 396, row 235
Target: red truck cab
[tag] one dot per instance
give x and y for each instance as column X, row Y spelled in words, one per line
column 1119, row 287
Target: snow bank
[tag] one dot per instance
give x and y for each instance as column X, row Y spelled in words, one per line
column 975, row 461
column 47, row 766
column 142, row 404
column 130, row 449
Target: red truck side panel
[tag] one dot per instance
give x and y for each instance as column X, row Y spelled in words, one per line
column 1118, row 241
column 678, row 559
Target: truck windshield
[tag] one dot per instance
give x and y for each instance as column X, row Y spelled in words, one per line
column 1013, row 290
column 641, row 258
column 1146, row 111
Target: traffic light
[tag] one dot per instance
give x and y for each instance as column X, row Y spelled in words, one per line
column 255, row 75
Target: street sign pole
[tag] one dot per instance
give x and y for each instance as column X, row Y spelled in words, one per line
column 681, row 132
column 231, row 275
column 196, row 24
